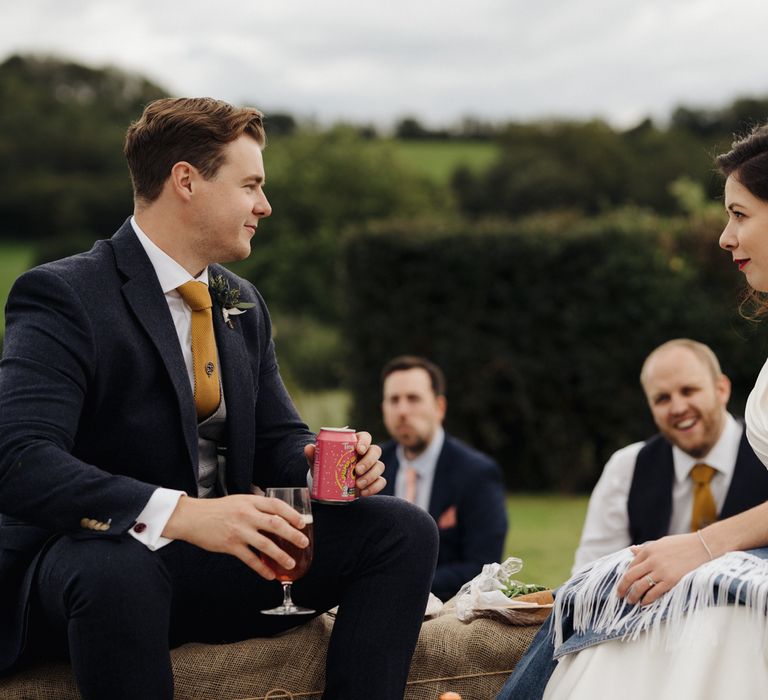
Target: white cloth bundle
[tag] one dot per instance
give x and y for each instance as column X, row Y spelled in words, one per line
column 484, row 596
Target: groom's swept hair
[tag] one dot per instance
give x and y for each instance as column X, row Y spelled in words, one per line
column 195, row 130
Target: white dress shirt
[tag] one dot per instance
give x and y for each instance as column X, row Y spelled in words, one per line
column 425, row 465
column 606, row 528
column 171, row 275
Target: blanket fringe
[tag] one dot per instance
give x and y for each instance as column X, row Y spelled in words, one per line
column 590, row 598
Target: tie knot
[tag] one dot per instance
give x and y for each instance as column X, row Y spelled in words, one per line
column 702, row 473
column 196, row 295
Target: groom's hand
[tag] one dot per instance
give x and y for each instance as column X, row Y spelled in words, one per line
column 237, row 525
column 368, row 470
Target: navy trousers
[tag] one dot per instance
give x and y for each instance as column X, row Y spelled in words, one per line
column 116, row 608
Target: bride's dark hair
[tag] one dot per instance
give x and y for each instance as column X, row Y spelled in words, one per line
column 747, row 162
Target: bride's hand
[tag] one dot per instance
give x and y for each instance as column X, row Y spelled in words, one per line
column 659, row 565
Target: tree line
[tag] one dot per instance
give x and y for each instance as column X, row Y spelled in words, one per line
column 63, row 174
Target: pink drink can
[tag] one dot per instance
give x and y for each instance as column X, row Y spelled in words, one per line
column 333, row 471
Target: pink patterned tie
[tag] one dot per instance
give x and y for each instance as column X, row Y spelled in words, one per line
column 411, row 478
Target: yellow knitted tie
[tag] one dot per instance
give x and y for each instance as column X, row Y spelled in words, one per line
column 704, row 510
column 205, row 370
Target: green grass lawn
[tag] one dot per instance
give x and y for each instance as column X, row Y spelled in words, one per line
column 544, row 531
column 15, row 258
column 438, row 159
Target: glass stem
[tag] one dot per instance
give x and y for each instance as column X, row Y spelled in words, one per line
column 287, row 602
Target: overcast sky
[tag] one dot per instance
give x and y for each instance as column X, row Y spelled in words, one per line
column 362, row 61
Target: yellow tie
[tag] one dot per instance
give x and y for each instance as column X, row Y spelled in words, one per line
column 704, row 510
column 411, row 477
column 206, row 373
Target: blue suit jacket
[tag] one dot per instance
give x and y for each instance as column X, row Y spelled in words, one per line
column 467, row 483
column 96, row 407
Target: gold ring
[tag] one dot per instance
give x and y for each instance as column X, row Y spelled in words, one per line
column 651, row 582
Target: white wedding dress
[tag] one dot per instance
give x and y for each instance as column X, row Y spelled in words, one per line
column 721, row 657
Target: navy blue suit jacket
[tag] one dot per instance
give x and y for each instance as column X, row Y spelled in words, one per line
column 468, row 504
column 96, row 407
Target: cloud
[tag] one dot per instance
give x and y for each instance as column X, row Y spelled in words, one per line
column 340, row 59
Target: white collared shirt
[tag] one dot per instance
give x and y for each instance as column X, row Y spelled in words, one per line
column 606, row 528
column 424, row 464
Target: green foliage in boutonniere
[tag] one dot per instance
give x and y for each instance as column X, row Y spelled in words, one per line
column 228, row 298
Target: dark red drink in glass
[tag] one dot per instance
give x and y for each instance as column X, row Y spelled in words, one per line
column 302, row 557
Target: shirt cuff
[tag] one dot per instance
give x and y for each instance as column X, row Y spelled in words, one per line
column 151, row 522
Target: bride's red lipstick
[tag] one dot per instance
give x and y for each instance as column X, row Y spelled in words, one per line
column 742, row 262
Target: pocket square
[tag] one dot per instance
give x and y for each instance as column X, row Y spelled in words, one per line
column 447, row 519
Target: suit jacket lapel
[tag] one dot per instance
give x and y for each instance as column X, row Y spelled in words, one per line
column 237, row 383
column 441, row 491
column 443, row 496
column 391, row 466
column 143, row 294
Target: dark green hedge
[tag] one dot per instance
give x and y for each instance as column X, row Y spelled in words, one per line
column 541, row 327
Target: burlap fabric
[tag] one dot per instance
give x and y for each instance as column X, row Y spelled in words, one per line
column 472, row 659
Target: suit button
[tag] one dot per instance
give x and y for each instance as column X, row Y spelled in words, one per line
column 139, row 528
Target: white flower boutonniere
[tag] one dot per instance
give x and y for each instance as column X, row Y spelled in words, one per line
column 228, row 298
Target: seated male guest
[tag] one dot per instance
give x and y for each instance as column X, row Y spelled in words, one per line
column 699, row 467
column 460, row 487
column 652, row 489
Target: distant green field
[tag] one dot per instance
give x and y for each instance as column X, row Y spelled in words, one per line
column 15, row 258
column 323, row 408
column 438, row 159
column 544, row 531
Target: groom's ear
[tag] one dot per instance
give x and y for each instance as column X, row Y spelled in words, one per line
column 182, row 178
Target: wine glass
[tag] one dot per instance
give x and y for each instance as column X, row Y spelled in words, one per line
column 298, row 499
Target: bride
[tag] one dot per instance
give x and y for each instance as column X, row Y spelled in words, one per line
column 700, row 628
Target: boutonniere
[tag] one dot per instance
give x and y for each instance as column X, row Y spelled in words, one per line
column 228, row 298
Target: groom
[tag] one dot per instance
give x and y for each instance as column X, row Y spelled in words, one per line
column 136, row 414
